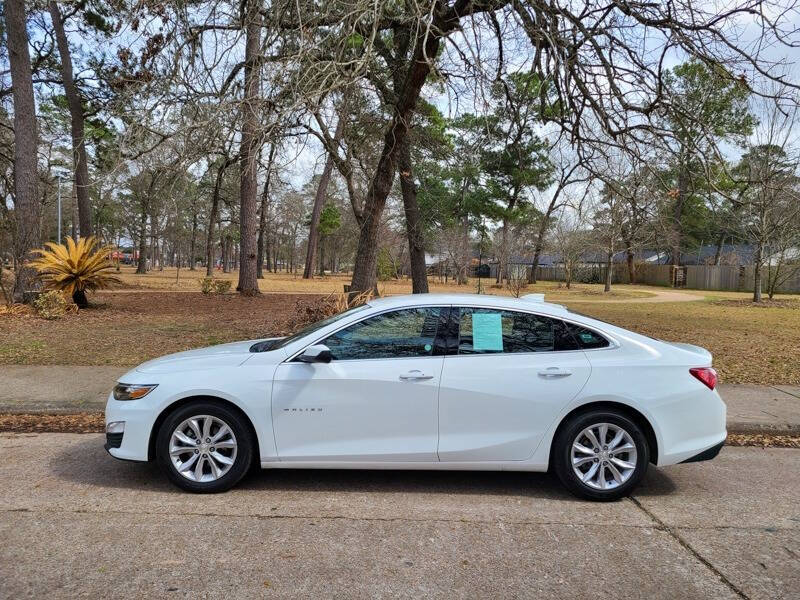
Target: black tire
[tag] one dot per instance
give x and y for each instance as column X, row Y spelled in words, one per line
column 241, row 461
column 562, row 455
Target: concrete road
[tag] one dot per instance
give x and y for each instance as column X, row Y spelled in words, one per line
column 76, row 523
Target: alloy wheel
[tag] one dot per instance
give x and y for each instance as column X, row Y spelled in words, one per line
column 603, row 456
column 203, row 448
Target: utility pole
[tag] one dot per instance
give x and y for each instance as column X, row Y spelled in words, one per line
column 58, row 178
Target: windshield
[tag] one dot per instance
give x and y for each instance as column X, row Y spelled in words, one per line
column 315, row 326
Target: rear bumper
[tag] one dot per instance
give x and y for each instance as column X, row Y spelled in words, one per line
column 708, row 454
column 692, row 425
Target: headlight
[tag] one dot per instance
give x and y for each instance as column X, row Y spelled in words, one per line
column 124, row 391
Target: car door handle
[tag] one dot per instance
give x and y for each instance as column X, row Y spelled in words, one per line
column 555, row 372
column 415, row 375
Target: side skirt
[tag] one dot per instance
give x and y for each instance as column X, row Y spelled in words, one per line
column 408, row 466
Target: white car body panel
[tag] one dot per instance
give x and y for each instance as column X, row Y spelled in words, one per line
column 497, row 407
column 371, row 419
column 354, row 410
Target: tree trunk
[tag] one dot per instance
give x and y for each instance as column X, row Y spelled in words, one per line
column 718, row 252
column 212, row 218
column 502, row 266
column 537, row 249
column 141, row 265
column 248, row 280
column 267, row 258
column 79, row 298
column 262, row 222
column 631, row 265
column 27, row 209
column 416, row 249
column 153, row 241
column 366, row 261
column 677, row 212
column 609, row 256
column 76, row 124
column 226, row 253
column 193, row 241
column 757, row 272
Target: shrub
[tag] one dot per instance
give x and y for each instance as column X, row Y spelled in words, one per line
column 206, row 285
column 386, row 269
column 51, row 305
column 209, row 285
column 517, row 283
column 327, row 307
column 222, row 286
column 75, row 267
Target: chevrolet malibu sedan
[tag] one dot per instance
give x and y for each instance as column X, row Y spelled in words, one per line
column 426, row 382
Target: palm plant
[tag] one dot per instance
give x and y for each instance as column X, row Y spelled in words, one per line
column 75, row 267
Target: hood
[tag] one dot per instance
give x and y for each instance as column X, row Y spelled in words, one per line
column 223, row 355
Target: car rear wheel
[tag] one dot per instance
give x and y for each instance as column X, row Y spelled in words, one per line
column 204, row 447
column 601, row 455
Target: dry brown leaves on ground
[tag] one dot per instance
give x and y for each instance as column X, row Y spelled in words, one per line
column 39, row 423
column 765, row 440
column 765, row 303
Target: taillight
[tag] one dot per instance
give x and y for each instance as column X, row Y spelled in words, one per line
column 705, row 374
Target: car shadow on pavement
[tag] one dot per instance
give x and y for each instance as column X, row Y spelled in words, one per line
column 87, row 463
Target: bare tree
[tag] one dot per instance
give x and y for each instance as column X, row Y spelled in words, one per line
column 569, row 170
column 768, row 172
column 570, row 240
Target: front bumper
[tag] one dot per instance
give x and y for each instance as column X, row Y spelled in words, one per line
column 113, row 440
column 139, row 416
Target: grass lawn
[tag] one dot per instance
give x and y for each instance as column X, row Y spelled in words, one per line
column 155, row 316
column 750, row 344
column 170, row 279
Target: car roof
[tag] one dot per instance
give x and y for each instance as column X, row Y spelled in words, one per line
column 531, row 302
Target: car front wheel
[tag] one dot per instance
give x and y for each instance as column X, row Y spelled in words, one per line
column 601, row 455
column 204, row 447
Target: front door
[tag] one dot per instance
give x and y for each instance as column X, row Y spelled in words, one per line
column 375, row 401
column 511, row 376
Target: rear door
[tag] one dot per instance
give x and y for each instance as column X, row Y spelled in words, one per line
column 502, row 387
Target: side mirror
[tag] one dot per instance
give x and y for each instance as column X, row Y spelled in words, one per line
column 319, row 353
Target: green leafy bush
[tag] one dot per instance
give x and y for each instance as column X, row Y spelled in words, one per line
column 51, row 305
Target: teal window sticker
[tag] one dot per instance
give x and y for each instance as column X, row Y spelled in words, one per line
column 487, row 332
column 586, row 337
column 428, row 347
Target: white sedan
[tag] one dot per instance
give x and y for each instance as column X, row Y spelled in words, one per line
column 426, row 382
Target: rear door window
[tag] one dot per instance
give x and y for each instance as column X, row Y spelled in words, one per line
column 492, row 331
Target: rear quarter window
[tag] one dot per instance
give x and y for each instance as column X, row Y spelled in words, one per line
column 588, row 339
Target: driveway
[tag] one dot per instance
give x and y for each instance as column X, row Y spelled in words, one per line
column 76, row 523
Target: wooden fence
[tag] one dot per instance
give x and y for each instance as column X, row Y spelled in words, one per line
column 699, row 277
